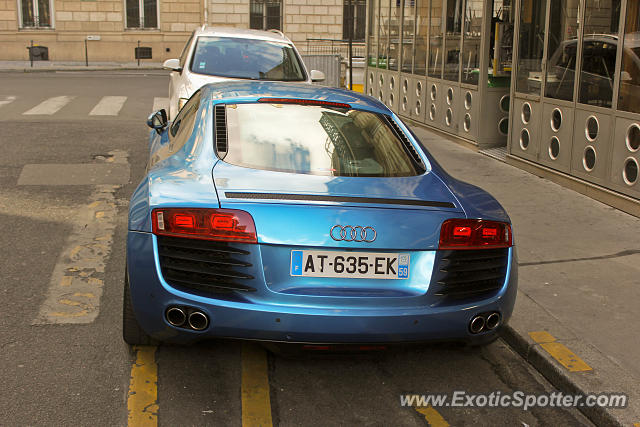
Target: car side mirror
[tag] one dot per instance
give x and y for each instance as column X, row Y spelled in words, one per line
column 172, row 64
column 317, row 76
column 158, row 120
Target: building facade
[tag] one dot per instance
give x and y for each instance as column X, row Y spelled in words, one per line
column 112, row 29
column 555, row 82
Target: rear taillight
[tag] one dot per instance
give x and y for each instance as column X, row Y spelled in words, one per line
column 225, row 225
column 474, row 234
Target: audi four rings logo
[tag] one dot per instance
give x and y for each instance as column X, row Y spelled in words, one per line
column 349, row 233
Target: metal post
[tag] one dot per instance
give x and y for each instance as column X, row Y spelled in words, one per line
column 350, row 30
column 31, row 54
column 86, row 53
column 138, row 53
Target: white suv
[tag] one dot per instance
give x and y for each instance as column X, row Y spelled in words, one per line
column 225, row 53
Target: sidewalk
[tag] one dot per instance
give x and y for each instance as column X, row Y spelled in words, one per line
column 25, row 66
column 579, row 277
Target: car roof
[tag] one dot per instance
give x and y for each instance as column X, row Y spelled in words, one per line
column 251, row 90
column 271, row 35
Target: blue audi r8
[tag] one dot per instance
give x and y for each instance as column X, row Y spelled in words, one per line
column 294, row 213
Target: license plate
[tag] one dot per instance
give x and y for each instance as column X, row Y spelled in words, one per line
column 356, row 265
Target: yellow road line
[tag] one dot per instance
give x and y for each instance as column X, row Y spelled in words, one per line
column 560, row 352
column 256, row 403
column 142, row 403
column 433, row 417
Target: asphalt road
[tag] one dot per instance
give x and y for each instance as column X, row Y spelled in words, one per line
column 77, row 371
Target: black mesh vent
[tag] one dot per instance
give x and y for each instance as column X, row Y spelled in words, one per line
column 470, row 273
column 220, row 115
column 412, row 151
column 203, row 265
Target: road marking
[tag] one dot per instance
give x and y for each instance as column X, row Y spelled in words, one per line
column 142, row 401
column 77, row 280
column 560, row 352
column 49, row 106
column 433, row 417
column 4, row 100
column 108, row 106
column 160, row 103
column 256, row 403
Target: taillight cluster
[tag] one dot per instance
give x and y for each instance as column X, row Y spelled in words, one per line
column 474, row 234
column 226, row 225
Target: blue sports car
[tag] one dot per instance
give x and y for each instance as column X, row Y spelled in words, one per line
column 294, row 213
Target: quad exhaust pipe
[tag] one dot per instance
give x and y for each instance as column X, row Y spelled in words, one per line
column 184, row 317
column 198, row 320
column 485, row 322
column 176, row 316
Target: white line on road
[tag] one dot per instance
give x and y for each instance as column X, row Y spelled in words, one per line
column 49, row 106
column 160, row 103
column 4, row 100
column 108, row 106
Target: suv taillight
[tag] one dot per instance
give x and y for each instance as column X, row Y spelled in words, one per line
column 224, row 225
column 474, row 234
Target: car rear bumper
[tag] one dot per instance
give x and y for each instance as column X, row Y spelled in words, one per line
column 152, row 296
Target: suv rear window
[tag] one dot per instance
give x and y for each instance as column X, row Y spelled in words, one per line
column 316, row 140
column 246, row 59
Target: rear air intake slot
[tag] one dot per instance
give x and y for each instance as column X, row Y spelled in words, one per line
column 220, row 116
column 407, row 144
column 202, row 265
column 477, row 274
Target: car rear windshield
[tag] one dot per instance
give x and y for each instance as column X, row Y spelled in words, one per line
column 246, row 59
column 316, row 140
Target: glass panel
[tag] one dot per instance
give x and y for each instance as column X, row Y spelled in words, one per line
column 315, row 140
column 531, row 46
column 185, row 51
column 44, row 13
column 408, row 32
column 501, row 44
column 374, row 17
column 599, row 49
column 422, row 28
column 471, row 42
column 256, row 15
column 561, row 49
column 246, row 59
column 360, row 20
column 452, row 40
column 133, row 14
column 435, row 40
column 28, row 14
column 629, row 99
column 383, row 50
column 394, row 34
column 150, row 13
column 273, row 16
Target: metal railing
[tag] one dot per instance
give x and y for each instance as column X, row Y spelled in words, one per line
column 335, row 46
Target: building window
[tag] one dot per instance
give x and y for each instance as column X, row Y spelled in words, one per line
column 35, row 13
column 265, row 15
column 358, row 11
column 142, row 13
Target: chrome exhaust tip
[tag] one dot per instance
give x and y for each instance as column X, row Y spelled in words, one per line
column 493, row 320
column 198, row 321
column 176, row 316
column 477, row 325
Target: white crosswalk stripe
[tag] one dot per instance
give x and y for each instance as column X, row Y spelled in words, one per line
column 108, row 106
column 160, row 103
column 4, row 100
column 49, row 106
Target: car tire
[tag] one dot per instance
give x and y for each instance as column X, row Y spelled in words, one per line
column 132, row 333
